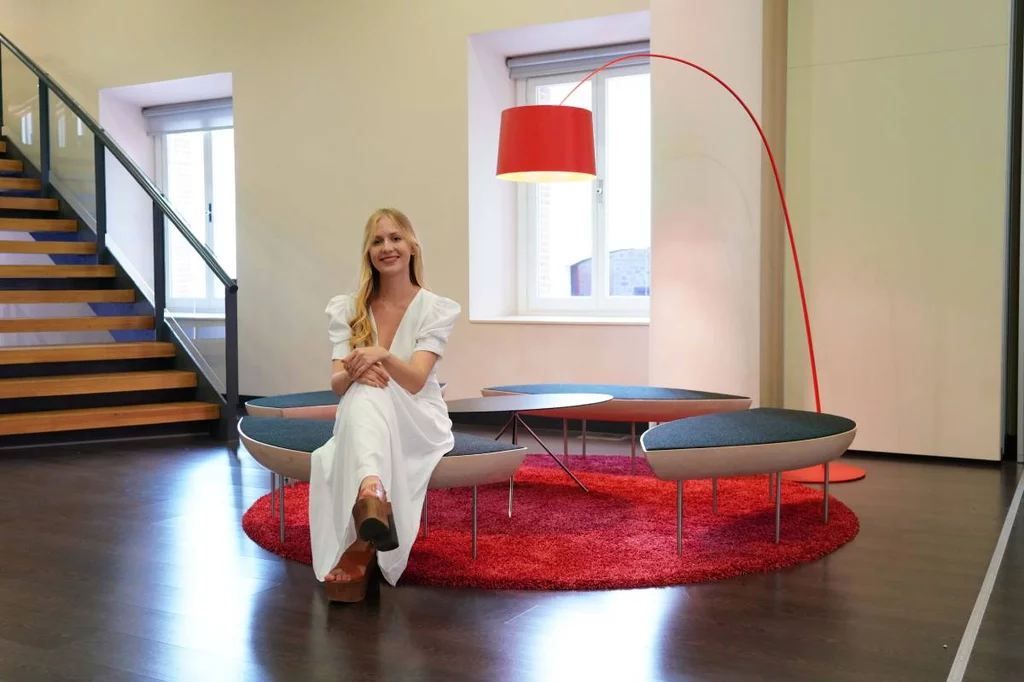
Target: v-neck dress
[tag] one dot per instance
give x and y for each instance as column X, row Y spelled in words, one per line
column 386, row 432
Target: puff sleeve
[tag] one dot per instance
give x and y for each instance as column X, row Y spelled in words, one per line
column 437, row 325
column 338, row 312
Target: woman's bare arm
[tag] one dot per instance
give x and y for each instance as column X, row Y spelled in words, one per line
column 412, row 375
column 340, row 380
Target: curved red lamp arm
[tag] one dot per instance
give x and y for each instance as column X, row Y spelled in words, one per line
column 778, row 184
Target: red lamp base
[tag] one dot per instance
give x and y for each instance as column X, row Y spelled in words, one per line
column 837, row 473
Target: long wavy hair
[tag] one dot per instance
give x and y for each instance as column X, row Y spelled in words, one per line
column 369, row 277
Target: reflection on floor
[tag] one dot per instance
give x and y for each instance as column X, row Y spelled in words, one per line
column 127, row 562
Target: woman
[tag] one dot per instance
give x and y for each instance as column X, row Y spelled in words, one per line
column 368, row 481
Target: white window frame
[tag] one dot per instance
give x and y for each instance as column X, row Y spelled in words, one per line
column 600, row 302
column 204, row 117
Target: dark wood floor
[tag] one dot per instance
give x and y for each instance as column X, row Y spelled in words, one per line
column 998, row 653
column 128, row 563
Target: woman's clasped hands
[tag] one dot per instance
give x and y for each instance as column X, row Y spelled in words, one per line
column 365, row 366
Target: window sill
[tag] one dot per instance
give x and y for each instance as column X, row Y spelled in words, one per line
column 196, row 317
column 597, row 320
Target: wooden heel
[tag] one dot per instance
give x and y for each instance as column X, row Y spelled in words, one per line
column 349, row 592
column 375, row 523
column 352, row 591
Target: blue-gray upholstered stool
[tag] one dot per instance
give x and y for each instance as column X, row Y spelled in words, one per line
column 759, row 441
column 284, row 445
column 306, row 405
column 629, row 404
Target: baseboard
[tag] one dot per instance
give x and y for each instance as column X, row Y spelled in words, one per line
column 1009, row 452
column 925, row 459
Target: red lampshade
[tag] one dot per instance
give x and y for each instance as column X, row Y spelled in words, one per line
column 546, row 143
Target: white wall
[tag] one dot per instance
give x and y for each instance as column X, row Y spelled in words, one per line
column 493, row 247
column 896, row 167
column 129, row 208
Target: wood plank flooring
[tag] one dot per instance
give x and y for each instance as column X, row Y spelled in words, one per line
column 128, row 562
column 999, row 650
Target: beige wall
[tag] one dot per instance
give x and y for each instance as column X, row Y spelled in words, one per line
column 713, row 239
column 340, row 107
column 896, row 173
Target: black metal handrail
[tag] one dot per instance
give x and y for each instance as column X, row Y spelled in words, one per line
column 140, row 177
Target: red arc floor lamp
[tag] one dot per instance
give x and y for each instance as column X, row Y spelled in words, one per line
column 555, row 143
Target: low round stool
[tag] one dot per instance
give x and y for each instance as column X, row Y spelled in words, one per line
column 284, row 445
column 759, row 441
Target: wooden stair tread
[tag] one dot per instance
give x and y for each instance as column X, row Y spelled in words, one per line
column 3, row 147
column 14, row 325
column 37, row 225
column 55, row 271
column 28, row 204
column 11, row 165
column 85, row 352
column 106, row 417
column 67, row 296
column 19, row 183
column 80, row 384
column 75, row 248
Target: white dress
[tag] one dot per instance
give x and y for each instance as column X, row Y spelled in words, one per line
column 387, row 432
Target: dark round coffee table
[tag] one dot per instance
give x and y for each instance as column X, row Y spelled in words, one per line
column 518, row 405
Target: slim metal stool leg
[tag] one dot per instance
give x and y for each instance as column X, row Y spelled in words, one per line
column 584, row 437
column 565, row 440
column 474, row 522
column 632, row 445
column 281, row 506
column 679, row 518
column 511, row 479
column 714, row 495
column 826, row 491
column 778, row 504
column 273, row 494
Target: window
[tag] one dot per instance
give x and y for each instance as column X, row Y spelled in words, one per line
column 26, row 128
column 195, row 148
column 585, row 248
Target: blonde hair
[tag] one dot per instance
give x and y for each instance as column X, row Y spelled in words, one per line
column 369, row 278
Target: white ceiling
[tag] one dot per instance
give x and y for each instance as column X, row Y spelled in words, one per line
column 194, row 89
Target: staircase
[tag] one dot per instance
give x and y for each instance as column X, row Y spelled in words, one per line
column 81, row 357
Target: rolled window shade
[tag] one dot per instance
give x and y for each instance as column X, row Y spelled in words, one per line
column 574, row 61
column 189, row 116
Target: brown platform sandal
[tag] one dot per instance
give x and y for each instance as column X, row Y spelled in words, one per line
column 375, row 523
column 354, row 589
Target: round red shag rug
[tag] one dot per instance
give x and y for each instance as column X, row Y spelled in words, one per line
column 620, row 534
